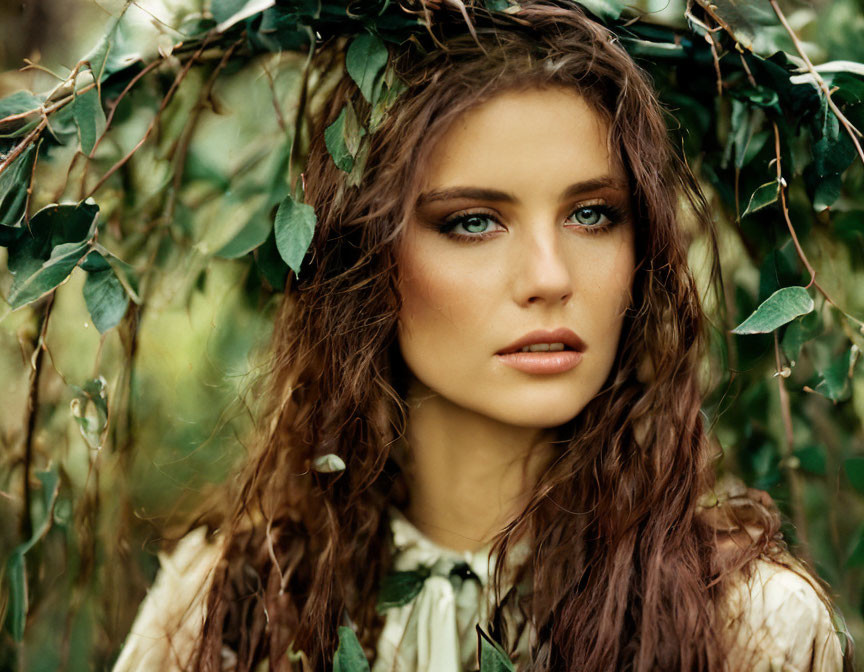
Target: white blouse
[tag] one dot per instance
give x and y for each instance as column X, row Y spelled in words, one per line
column 776, row 619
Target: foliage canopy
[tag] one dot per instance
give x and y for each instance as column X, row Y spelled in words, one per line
column 153, row 164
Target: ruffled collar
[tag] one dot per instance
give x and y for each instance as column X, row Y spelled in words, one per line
column 438, row 601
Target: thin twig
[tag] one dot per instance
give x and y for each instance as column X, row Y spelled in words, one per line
column 781, row 185
column 280, row 118
column 177, row 80
column 32, row 410
column 750, row 76
column 853, row 132
column 116, row 102
column 795, row 489
column 15, row 153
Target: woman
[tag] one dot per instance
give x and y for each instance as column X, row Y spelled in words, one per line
column 495, row 333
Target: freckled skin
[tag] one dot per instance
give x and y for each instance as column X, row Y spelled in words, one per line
column 465, row 301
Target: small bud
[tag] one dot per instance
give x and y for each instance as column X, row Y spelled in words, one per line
column 785, row 372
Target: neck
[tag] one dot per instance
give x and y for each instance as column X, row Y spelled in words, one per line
column 470, row 475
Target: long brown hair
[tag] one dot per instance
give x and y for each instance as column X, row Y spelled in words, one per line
column 625, row 570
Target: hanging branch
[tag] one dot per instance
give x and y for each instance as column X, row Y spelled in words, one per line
column 781, row 185
column 176, row 83
column 853, row 132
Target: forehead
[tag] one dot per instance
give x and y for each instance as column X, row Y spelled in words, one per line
column 537, row 140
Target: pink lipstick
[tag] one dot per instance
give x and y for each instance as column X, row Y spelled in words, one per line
column 544, row 352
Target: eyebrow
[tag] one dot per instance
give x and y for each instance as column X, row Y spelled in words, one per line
column 483, row 194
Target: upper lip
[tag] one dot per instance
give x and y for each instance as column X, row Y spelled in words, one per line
column 561, row 335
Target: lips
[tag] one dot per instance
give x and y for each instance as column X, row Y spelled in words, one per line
column 544, row 362
column 561, row 335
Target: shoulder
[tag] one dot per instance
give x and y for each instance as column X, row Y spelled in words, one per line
column 777, row 619
column 170, row 618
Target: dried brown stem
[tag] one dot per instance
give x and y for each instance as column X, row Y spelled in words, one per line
column 15, row 153
column 781, row 186
column 32, row 410
column 800, row 250
column 796, row 494
column 116, row 102
column 177, row 81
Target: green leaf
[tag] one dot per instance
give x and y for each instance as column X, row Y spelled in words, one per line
column 605, row 10
column 366, row 57
column 491, row 656
column 16, row 572
column 113, row 51
column 106, row 299
column 827, row 191
column 746, row 136
column 349, row 654
column 65, row 222
column 393, row 87
column 855, row 472
column 834, row 150
column 55, row 270
column 18, row 102
column 399, row 588
column 57, row 238
column 856, row 557
column 747, row 20
column 835, row 382
column 16, row 566
column 269, row 264
column 800, row 331
column 89, row 118
column 231, row 12
column 760, row 96
column 124, row 272
column 89, row 408
column 14, row 182
column 764, row 196
column 294, row 227
column 812, row 458
column 253, row 233
column 781, row 307
column 223, row 10
column 342, row 138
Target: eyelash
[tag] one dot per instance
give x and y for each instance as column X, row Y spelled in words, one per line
column 614, row 215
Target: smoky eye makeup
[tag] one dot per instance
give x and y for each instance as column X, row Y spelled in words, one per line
column 589, row 217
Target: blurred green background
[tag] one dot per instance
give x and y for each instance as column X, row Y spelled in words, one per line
column 180, row 369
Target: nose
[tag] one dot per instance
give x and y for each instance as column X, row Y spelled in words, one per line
column 543, row 272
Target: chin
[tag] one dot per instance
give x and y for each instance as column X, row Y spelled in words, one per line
column 538, row 415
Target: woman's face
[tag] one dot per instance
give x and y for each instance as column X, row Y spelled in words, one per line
column 521, row 239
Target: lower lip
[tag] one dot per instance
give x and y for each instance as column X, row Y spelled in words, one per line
column 542, row 362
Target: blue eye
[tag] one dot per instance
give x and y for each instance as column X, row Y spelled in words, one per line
column 471, row 226
column 590, row 215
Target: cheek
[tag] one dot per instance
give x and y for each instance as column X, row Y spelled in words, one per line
column 443, row 299
column 608, row 283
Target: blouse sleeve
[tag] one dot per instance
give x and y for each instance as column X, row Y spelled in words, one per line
column 778, row 623
column 170, row 618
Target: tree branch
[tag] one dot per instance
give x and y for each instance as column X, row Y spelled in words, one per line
column 850, row 129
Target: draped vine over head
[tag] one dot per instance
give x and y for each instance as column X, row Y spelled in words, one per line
column 625, row 569
column 144, row 169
